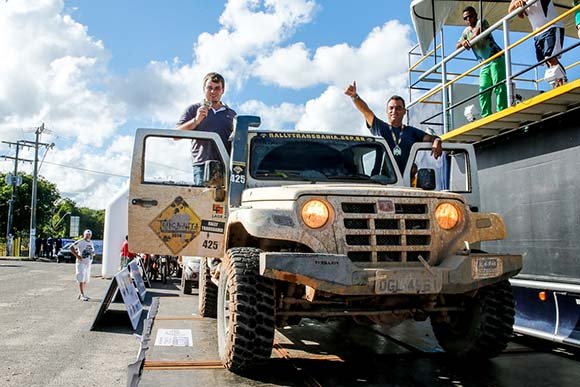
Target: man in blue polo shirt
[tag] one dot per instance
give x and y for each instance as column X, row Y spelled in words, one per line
column 399, row 137
column 211, row 115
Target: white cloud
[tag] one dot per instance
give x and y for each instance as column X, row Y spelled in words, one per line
column 281, row 117
column 382, row 55
column 249, row 27
column 162, row 90
column 48, row 68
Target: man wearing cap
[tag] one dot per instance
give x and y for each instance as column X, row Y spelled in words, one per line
column 399, row 137
column 83, row 250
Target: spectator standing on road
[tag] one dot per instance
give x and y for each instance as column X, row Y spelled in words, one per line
column 38, row 247
column 210, row 115
column 83, row 250
column 126, row 255
column 549, row 43
column 399, row 137
column 491, row 73
column 57, row 245
column 50, row 246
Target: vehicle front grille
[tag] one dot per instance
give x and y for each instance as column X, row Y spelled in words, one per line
column 396, row 230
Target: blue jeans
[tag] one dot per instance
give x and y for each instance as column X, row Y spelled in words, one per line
column 198, row 175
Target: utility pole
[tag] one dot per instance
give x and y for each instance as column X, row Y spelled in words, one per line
column 14, row 184
column 29, row 144
column 32, row 245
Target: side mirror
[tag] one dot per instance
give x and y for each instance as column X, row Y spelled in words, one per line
column 426, row 179
column 213, row 177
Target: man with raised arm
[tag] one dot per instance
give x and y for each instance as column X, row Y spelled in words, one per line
column 399, row 137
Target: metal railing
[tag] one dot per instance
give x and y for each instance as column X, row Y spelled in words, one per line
column 441, row 68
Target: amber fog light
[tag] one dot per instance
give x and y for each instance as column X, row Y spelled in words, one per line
column 447, row 216
column 315, row 213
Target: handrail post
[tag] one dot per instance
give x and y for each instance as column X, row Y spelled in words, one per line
column 443, row 82
column 508, row 64
column 410, row 80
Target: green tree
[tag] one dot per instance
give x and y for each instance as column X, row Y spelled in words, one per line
column 46, row 196
column 93, row 220
column 51, row 210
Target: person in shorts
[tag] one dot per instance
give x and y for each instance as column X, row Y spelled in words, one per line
column 549, row 43
column 83, row 250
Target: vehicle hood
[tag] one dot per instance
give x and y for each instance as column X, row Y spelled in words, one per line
column 293, row 192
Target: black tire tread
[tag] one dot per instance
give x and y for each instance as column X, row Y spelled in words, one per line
column 492, row 328
column 252, row 311
column 207, row 292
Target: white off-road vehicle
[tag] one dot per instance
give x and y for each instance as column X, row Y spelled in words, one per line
column 322, row 225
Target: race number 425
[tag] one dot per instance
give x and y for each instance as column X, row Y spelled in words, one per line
column 211, row 245
column 241, row 179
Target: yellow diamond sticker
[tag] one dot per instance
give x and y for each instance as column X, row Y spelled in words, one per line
column 177, row 225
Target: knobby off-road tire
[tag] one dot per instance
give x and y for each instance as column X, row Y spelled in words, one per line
column 245, row 311
column 207, row 292
column 484, row 328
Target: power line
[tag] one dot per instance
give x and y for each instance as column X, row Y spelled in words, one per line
column 86, row 170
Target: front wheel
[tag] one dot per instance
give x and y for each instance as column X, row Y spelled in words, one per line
column 245, row 311
column 483, row 328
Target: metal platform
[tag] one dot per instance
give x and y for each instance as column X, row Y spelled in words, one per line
column 341, row 353
column 528, row 112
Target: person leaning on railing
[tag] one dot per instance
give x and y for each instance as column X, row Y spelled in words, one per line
column 493, row 72
column 548, row 43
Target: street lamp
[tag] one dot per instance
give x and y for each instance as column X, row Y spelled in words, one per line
column 60, row 220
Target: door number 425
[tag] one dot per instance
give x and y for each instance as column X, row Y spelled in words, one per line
column 211, row 245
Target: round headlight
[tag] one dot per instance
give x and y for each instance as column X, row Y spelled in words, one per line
column 447, row 216
column 315, row 213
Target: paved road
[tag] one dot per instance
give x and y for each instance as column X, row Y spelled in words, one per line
column 45, row 338
column 46, row 342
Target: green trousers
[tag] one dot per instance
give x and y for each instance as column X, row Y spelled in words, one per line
column 491, row 74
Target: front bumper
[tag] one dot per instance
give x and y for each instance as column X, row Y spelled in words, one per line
column 339, row 275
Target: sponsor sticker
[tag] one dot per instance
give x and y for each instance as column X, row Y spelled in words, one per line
column 176, row 225
column 213, row 226
column 217, row 211
column 316, row 136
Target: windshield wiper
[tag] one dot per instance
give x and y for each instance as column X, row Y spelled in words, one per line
column 357, row 176
column 285, row 175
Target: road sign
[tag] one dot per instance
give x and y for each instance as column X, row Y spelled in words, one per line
column 74, row 226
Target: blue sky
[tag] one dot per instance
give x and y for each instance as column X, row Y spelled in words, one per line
column 94, row 71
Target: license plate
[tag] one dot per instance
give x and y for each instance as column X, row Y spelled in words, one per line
column 486, row 267
column 392, row 282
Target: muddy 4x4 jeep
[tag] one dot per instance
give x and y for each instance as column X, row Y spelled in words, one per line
column 321, row 225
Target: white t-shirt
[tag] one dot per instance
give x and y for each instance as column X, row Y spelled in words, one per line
column 84, row 248
column 541, row 12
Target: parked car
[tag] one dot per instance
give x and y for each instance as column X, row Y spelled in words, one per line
column 64, row 254
column 190, row 273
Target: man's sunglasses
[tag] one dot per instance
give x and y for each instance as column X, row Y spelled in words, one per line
column 467, row 17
